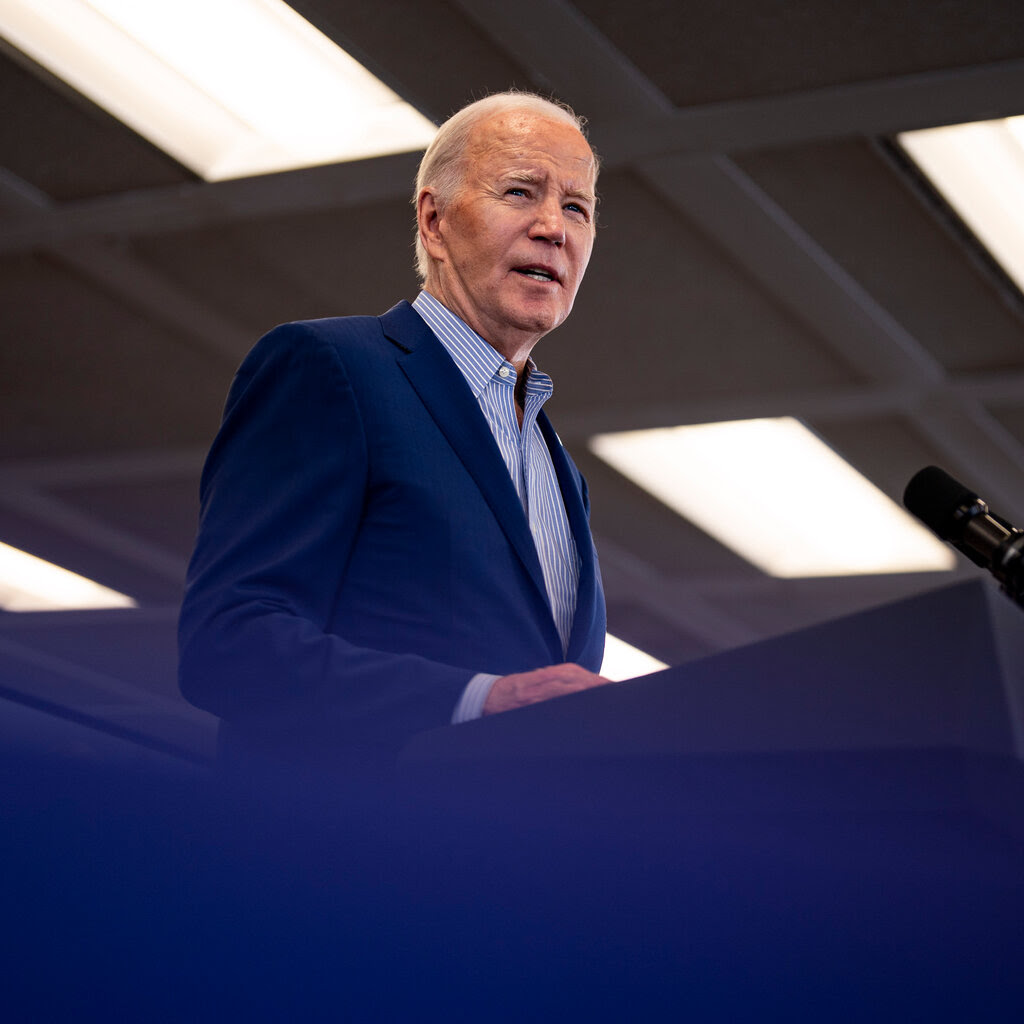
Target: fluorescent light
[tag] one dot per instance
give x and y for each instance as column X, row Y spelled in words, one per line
column 979, row 168
column 228, row 87
column 775, row 494
column 30, row 584
column 624, row 661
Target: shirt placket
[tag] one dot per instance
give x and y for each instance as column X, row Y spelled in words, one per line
column 528, row 436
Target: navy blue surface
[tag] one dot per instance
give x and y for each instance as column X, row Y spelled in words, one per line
column 665, row 891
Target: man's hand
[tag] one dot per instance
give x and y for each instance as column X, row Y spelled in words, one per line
column 524, row 688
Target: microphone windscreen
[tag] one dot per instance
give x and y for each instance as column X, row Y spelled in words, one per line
column 934, row 497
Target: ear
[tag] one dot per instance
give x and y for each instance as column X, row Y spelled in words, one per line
column 428, row 216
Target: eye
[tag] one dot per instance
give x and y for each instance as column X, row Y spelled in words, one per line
column 516, row 190
column 577, row 208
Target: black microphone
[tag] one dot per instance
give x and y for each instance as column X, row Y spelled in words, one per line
column 959, row 516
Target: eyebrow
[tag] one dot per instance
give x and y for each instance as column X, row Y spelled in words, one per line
column 529, row 178
column 580, row 193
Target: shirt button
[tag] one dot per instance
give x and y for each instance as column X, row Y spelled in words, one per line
column 503, row 371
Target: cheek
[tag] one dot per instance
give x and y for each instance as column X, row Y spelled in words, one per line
column 583, row 252
column 581, row 267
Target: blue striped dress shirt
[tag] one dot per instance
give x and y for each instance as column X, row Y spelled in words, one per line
column 492, row 379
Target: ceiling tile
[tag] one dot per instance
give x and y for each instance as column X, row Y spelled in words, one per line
column 707, row 53
column 859, row 208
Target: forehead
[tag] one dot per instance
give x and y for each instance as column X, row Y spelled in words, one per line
column 521, row 140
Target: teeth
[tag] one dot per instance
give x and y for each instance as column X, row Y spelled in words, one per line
column 540, row 275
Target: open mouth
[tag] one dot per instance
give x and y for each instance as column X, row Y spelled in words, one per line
column 536, row 273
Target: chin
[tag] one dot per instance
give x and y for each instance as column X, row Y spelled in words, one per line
column 542, row 320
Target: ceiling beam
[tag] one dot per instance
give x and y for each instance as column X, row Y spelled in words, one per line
column 90, row 686
column 42, row 508
column 775, row 251
column 567, row 55
column 677, row 603
column 200, row 205
column 114, row 267
column 132, row 467
column 884, row 106
column 821, row 406
column 873, row 108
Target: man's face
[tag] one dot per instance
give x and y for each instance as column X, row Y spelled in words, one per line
column 511, row 246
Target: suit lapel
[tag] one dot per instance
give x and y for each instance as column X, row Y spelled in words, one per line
column 443, row 390
column 587, row 596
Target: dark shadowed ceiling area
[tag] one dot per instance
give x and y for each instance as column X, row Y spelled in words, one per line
column 764, row 250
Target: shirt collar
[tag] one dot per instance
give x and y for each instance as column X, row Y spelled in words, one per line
column 475, row 357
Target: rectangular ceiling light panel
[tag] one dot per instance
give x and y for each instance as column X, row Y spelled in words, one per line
column 774, row 493
column 624, row 661
column 30, row 584
column 979, row 169
column 230, row 88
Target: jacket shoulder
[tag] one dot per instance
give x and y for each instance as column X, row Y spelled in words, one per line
column 400, row 326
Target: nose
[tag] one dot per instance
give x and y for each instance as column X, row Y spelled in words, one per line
column 549, row 224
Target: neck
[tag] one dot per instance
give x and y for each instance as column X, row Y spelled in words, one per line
column 509, row 343
column 522, row 376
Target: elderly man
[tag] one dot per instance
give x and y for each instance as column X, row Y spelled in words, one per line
column 392, row 536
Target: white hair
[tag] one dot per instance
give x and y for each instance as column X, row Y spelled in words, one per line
column 443, row 165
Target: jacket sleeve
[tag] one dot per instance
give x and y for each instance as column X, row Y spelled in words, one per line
column 282, row 497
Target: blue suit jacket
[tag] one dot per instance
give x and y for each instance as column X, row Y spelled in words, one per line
column 362, row 552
